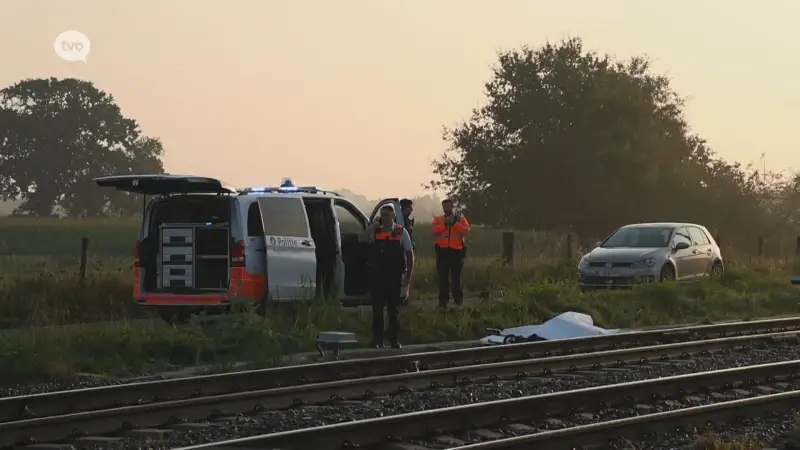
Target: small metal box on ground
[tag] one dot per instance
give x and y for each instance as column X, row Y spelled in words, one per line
column 335, row 341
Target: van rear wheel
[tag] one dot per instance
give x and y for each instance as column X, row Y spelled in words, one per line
column 174, row 316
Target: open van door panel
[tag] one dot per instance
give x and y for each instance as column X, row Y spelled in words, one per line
column 164, row 184
column 291, row 253
column 394, row 202
column 354, row 276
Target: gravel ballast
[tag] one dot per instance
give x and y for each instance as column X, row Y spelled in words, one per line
column 311, row 416
column 747, row 433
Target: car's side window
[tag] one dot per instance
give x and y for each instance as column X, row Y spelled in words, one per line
column 681, row 235
column 349, row 221
column 255, row 228
column 698, row 236
column 377, row 212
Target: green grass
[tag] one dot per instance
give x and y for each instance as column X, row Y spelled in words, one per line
column 46, row 292
column 137, row 347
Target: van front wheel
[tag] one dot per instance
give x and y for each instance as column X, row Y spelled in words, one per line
column 174, row 316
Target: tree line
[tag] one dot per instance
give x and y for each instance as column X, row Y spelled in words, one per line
column 567, row 140
column 573, row 141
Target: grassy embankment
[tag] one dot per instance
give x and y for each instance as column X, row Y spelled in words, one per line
column 38, row 290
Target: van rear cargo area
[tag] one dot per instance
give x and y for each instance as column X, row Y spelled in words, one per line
column 187, row 246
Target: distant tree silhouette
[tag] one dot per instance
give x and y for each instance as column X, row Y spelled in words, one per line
column 56, row 135
column 573, row 141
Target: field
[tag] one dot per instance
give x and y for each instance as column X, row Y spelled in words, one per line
column 40, row 287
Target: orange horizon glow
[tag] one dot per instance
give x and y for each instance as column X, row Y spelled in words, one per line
column 322, row 92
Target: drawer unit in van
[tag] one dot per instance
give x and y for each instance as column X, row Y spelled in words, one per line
column 171, row 236
column 174, row 275
column 175, row 254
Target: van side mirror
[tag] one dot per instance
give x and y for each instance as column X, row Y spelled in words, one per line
column 681, row 246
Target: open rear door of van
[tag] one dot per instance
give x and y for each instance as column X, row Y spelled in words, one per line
column 291, row 253
column 165, row 184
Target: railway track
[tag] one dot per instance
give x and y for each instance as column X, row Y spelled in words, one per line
column 553, row 421
column 129, row 410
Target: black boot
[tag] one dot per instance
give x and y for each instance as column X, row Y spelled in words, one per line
column 376, row 344
column 396, row 344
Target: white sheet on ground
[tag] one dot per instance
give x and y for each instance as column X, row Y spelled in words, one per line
column 564, row 326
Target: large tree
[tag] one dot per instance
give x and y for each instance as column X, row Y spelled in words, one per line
column 58, row 134
column 574, row 141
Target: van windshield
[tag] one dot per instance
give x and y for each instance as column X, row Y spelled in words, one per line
column 639, row 237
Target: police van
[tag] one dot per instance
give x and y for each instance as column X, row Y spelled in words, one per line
column 203, row 244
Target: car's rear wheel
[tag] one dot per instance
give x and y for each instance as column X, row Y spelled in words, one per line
column 668, row 273
column 717, row 270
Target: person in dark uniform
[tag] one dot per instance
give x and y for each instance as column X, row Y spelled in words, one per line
column 407, row 208
column 391, row 256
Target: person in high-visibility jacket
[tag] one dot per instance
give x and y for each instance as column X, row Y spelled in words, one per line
column 449, row 232
column 391, row 256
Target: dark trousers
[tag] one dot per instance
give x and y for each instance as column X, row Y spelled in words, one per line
column 449, row 263
column 386, row 294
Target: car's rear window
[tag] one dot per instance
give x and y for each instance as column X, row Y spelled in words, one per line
column 639, row 237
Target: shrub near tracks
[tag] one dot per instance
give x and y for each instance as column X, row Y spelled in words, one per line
column 39, row 291
column 140, row 347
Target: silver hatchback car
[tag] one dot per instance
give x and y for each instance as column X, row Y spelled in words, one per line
column 651, row 252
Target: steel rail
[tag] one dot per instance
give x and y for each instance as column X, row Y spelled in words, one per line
column 108, row 421
column 640, row 426
column 63, row 402
column 365, row 433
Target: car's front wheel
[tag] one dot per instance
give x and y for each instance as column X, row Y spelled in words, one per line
column 668, row 273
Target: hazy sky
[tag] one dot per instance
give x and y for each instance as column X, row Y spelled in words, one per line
column 254, row 90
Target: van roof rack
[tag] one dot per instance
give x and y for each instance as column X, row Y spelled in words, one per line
column 287, row 190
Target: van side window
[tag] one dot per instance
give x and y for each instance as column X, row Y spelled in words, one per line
column 285, row 217
column 254, row 226
column 348, row 221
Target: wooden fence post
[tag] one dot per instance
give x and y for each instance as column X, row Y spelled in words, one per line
column 760, row 245
column 84, row 257
column 508, row 247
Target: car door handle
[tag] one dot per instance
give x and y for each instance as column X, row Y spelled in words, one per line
column 306, row 243
column 694, row 252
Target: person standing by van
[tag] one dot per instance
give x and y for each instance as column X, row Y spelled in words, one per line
column 392, row 256
column 449, row 232
column 407, row 208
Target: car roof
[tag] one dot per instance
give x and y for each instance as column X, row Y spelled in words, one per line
column 321, row 194
column 662, row 224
